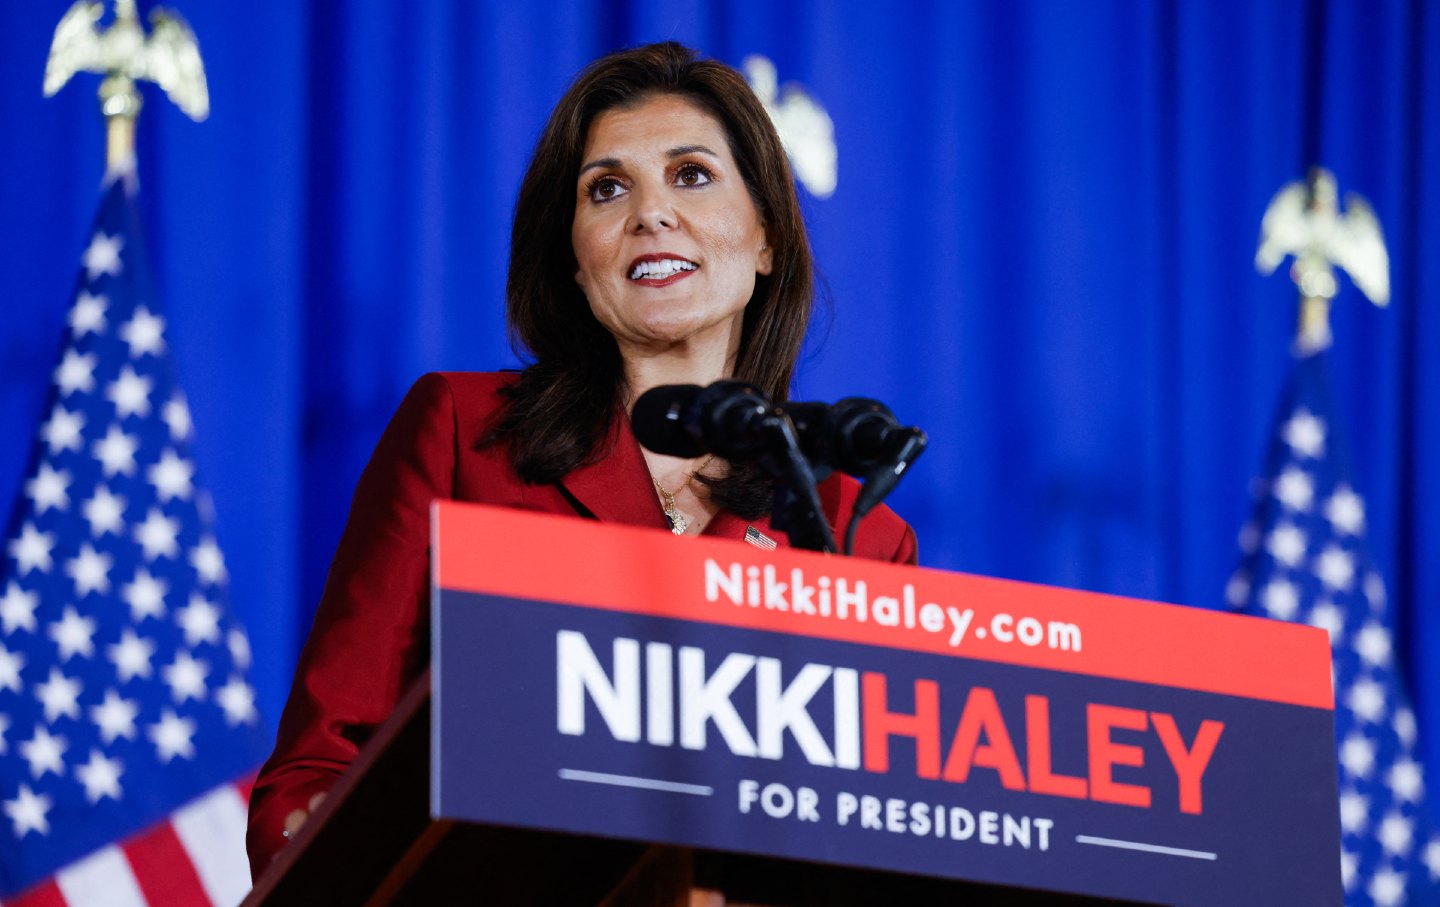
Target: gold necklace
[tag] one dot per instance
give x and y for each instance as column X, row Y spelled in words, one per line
column 678, row 521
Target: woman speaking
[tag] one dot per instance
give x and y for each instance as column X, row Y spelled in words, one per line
column 657, row 240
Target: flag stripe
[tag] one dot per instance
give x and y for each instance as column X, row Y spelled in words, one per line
column 212, row 830
column 103, row 879
column 46, row 894
column 163, row 868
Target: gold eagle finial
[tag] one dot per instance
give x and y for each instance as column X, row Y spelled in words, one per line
column 169, row 56
column 805, row 129
column 1304, row 220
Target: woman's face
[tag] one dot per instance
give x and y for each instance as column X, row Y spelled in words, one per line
column 666, row 236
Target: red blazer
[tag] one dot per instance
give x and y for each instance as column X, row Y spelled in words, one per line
column 370, row 639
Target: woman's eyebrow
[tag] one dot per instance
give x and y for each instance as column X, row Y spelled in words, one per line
column 690, row 149
column 606, row 162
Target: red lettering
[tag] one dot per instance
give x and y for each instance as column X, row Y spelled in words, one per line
column 881, row 724
column 982, row 714
column 1105, row 753
column 1189, row 764
column 1037, row 752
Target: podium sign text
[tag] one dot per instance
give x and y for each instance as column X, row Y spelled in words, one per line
column 621, row 682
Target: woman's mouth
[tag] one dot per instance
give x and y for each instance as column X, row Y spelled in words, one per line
column 660, row 271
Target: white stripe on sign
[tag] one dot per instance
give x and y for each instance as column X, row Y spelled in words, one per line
column 103, row 879
column 212, row 829
column 1147, row 848
column 673, row 787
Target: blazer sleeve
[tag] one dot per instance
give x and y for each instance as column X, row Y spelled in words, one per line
column 370, row 638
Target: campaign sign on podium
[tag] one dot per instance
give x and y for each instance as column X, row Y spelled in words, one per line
column 622, row 682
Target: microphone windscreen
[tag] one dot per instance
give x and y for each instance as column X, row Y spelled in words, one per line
column 659, row 420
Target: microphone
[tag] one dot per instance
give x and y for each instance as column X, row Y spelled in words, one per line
column 854, row 436
column 860, row 437
column 726, row 418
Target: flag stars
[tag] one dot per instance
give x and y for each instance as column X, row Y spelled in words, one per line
column 11, row 664
column 145, row 595
column 62, row 431
column 103, row 255
column 28, row 812
column 115, row 717
column 17, row 609
column 144, row 333
column 130, row 393
column 1404, row 725
column 1375, row 591
column 131, row 656
column 239, row 646
column 31, row 550
column 208, row 562
column 158, row 535
column 1346, row 511
column 1431, row 858
column 75, row 373
column 45, row 753
column 1286, row 543
column 238, row 700
column 60, row 695
column 1281, row 599
column 90, row 570
column 1367, row 700
column 172, row 477
column 1295, row 489
column 172, row 737
column 1305, row 434
column 200, row 620
column 1373, row 644
column 1357, row 755
column 1329, row 618
column 1354, row 812
column 105, row 512
column 101, row 777
column 116, row 452
column 1406, row 780
column 87, row 316
column 177, row 415
column 4, row 727
column 49, row 489
column 1387, row 888
column 186, row 677
column 1237, row 590
column 1336, row 568
column 73, row 634
column 1349, row 867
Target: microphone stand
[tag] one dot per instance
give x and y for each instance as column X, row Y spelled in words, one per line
column 796, row 510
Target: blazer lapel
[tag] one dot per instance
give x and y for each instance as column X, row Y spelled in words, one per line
column 618, row 489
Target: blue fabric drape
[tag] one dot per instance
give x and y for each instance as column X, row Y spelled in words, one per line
column 1040, row 250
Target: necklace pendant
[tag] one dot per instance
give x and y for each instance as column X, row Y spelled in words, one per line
column 678, row 523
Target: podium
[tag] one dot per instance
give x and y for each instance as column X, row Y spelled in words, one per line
column 616, row 717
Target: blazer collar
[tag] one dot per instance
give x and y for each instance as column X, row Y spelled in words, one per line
column 618, row 489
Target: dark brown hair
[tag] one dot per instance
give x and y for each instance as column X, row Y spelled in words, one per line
column 560, row 411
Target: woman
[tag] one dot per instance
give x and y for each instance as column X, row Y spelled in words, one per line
column 657, row 240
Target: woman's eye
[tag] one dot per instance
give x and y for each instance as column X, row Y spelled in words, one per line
column 605, row 188
column 692, row 175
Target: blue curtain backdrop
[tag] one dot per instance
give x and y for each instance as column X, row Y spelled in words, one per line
column 1040, row 250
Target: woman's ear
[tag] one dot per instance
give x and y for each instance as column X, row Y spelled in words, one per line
column 765, row 259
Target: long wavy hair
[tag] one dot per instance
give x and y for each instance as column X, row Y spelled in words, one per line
column 560, row 413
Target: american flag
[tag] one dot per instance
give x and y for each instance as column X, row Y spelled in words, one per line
column 1304, row 558
column 126, row 715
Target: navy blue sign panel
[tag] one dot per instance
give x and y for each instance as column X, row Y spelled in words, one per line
column 592, row 717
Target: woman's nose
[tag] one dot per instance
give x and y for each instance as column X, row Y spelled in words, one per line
column 652, row 212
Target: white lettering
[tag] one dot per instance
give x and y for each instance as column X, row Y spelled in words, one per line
column 578, row 672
